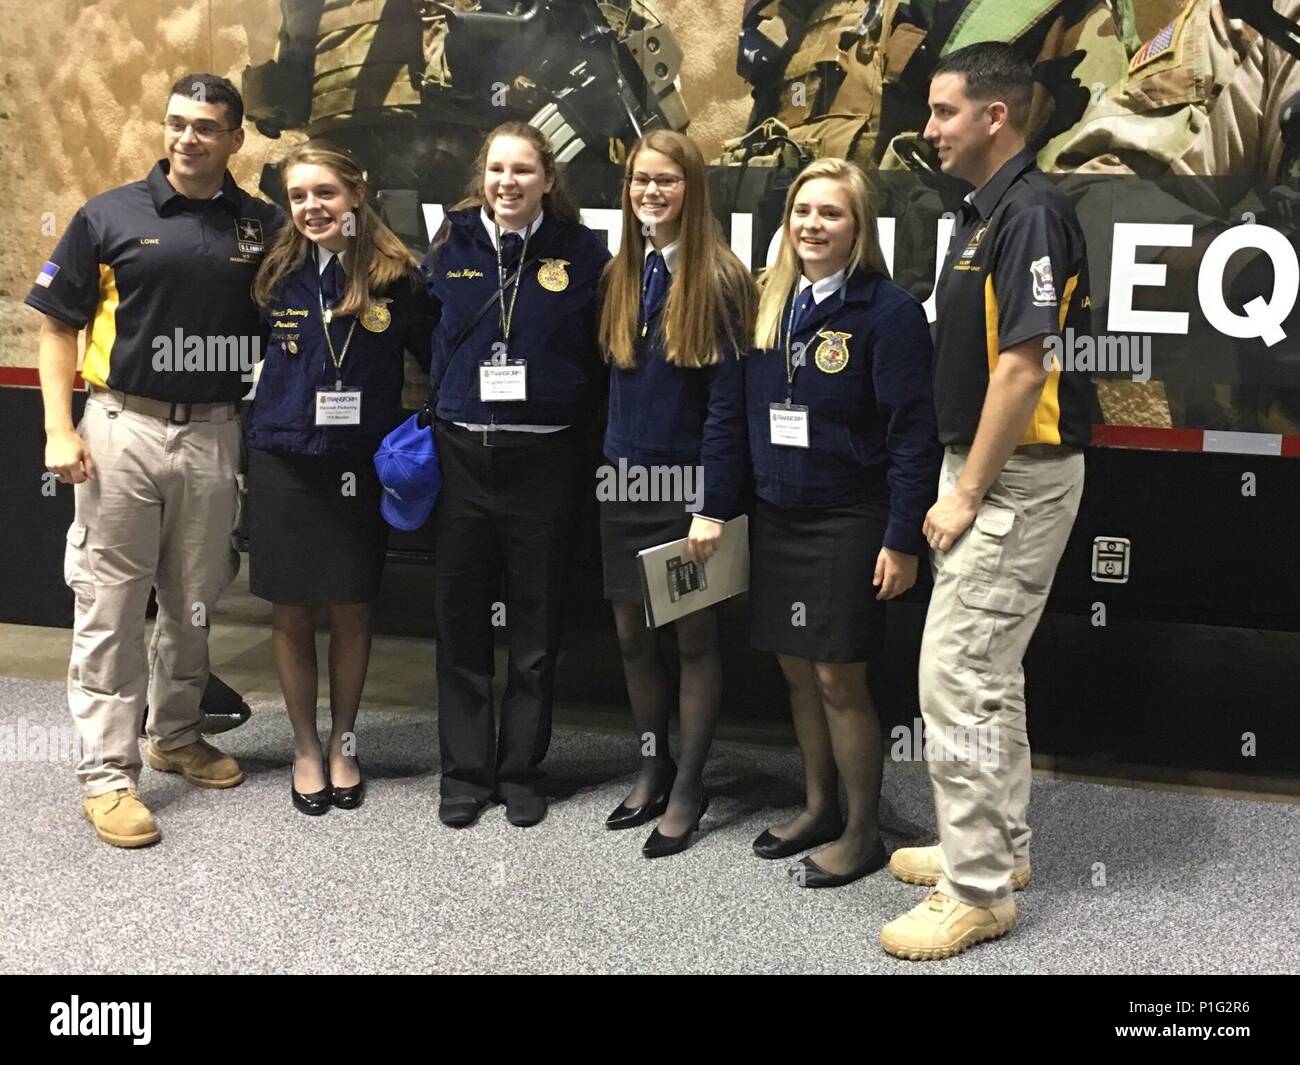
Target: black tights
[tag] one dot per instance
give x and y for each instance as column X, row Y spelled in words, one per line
column 839, row 739
column 699, row 704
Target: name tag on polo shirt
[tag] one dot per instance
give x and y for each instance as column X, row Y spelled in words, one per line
column 338, row 406
column 502, row 382
column 789, row 425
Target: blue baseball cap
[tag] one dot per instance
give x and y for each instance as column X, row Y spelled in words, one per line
column 407, row 464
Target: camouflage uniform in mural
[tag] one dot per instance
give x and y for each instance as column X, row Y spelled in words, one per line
column 1209, row 115
column 848, row 77
column 411, row 86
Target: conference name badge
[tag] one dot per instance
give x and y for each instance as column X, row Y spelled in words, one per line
column 552, row 275
column 832, row 354
column 376, row 317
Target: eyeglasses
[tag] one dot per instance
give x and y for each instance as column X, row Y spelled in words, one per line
column 205, row 131
column 664, row 182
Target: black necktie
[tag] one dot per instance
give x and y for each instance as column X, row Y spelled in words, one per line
column 512, row 246
column 332, row 282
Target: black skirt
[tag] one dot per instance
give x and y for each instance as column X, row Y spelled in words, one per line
column 310, row 542
column 625, row 529
column 810, row 574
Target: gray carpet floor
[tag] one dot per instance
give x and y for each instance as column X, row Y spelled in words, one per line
column 242, row 882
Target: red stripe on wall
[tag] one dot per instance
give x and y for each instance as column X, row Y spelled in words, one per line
column 28, row 377
column 1139, row 437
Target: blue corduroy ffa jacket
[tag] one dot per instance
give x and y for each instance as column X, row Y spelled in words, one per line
column 553, row 328
column 866, row 380
column 666, row 415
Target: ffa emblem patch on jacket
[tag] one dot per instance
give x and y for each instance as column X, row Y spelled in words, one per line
column 376, row 318
column 552, row 276
column 832, row 354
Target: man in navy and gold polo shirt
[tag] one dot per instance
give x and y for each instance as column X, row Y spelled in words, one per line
column 158, row 273
column 1013, row 422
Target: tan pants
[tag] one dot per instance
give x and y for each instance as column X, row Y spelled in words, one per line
column 159, row 514
column 989, row 593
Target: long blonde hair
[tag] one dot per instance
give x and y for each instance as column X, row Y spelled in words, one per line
column 779, row 281
column 713, row 303
column 377, row 257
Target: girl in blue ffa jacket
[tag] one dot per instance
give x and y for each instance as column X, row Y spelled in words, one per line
column 677, row 313
column 516, row 368
column 845, row 458
column 341, row 300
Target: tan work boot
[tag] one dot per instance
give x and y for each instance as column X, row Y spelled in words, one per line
column 942, row 926
column 199, row 762
column 920, row 865
column 120, row 818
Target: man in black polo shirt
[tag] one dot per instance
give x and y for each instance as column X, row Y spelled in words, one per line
column 1013, row 423
column 158, row 274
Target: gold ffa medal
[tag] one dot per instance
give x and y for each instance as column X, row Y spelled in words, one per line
column 292, row 347
column 376, row 317
column 832, row 354
column 552, row 276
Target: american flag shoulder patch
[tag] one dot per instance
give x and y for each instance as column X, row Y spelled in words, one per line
column 1161, row 44
column 48, row 273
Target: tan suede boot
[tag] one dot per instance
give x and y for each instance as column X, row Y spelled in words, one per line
column 942, row 926
column 200, row 763
column 120, row 818
column 920, row 865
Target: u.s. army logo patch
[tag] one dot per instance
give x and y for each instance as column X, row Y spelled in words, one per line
column 832, row 354
column 552, row 276
column 376, row 317
column 248, row 233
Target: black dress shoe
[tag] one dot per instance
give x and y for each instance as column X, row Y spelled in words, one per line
column 349, row 798
column 660, row 845
column 318, row 802
column 770, row 846
column 807, row 873
column 460, row 810
column 625, row 816
column 524, row 811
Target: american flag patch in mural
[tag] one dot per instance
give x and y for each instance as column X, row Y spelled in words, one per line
column 1157, row 46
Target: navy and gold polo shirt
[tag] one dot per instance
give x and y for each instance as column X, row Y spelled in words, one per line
column 164, row 284
column 1017, row 263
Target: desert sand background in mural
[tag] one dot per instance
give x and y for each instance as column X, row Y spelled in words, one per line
column 84, row 82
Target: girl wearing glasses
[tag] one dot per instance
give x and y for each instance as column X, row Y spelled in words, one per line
column 676, row 316
column 845, row 457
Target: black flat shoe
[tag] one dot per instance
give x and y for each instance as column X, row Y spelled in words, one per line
column 770, row 846
column 807, row 873
column 660, row 845
column 460, row 811
column 318, row 802
column 351, row 797
column 524, row 811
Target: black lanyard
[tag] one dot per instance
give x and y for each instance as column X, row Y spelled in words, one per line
column 508, row 316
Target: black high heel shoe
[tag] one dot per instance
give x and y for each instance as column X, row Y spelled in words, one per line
column 625, row 816
column 318, row 802
column 660, row 845
column 351, row 797
column 770, row 846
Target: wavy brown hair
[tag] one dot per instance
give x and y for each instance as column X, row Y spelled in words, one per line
column 557, row 203
column 712, row 306
column 377, row 257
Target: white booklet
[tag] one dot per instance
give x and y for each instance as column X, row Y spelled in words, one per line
column 674, row 586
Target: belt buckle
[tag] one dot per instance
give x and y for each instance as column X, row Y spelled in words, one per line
column 171, row 414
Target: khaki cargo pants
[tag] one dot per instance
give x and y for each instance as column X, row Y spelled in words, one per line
column 158, row 514
column 989, row 593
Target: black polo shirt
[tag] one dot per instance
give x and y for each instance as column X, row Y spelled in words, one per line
column 1018, row 265
column 164, row 284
